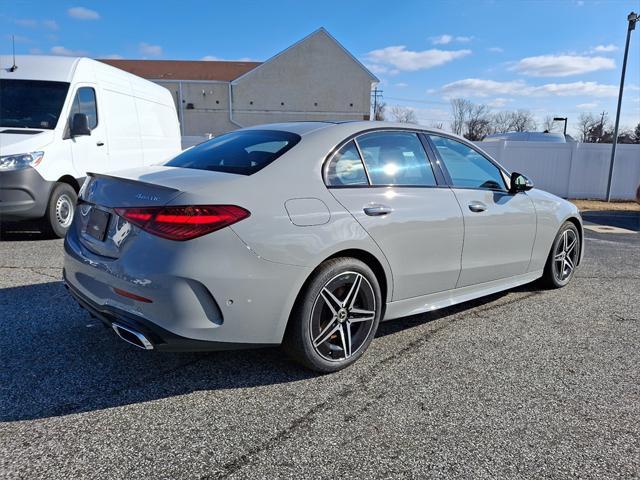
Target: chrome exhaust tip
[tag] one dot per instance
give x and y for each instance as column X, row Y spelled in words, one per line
column 132, row 337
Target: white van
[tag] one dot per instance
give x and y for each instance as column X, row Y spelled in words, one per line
column 62, row 117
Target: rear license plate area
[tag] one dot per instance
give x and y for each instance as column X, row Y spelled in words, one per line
column 97, row 224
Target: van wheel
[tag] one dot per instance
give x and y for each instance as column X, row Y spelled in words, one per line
column 60, row 210
column 336, row 316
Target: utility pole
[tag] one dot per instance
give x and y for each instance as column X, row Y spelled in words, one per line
column 632, row 18
column 601, row 131
column 375, row 94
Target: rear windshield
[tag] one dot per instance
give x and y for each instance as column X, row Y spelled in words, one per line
column 243, row 152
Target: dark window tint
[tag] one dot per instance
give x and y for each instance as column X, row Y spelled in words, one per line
column 345, row 167
column 467, row 167
column 396, row 158
column 243, row 152
column 85, row 102
column 31, row 103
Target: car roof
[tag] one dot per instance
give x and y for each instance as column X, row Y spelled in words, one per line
column 348, row 127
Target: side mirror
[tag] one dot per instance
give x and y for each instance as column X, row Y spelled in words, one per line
column 520, row 183
column 80, row 125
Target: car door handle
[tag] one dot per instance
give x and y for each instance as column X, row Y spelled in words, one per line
column 100, row 144
column 377, row 210
column 477, row 207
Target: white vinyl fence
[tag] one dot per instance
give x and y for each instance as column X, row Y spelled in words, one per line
column 571, row 170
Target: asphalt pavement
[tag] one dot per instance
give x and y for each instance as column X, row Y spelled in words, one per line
column 529, row 383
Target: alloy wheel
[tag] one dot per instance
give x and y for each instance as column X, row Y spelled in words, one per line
column 565, row 256
column 342, row 317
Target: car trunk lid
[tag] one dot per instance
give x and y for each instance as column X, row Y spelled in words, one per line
column 101, row 230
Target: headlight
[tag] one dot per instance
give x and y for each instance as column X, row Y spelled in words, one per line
column 20, row 160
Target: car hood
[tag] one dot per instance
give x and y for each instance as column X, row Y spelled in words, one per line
column 24, row 142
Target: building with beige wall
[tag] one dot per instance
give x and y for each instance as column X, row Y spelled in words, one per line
column 314, row 79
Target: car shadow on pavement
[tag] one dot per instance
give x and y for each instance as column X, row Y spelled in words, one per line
column 57, row 360
column 613, row 218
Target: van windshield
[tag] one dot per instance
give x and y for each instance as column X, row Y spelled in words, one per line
column 244, row 152
column 31, row 103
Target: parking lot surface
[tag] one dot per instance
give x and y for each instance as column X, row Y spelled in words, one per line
column 530, row 383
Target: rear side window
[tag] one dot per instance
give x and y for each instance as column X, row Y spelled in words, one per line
column 85, row 102
column 396, row 158
column 243, row 152
column 345, row 168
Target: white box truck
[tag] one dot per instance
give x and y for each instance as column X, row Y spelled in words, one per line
column 62, row 117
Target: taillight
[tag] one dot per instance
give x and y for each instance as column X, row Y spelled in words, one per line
column 183, row 222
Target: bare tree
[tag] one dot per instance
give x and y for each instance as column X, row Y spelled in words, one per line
column 522, row 121
column 403, row 114
column 438, row 125
column 586, row 121
column 379, row 111
column 501, row 122
column 548, row 124
column 636, row 134
column 460, row 108
column 478, row 123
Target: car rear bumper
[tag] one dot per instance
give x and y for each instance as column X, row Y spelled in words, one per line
column 209, row 293
column 158, row 338
column 24, row 194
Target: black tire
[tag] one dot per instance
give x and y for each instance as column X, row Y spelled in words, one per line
column 557, row 273
column 313, row 316
column 60, row 209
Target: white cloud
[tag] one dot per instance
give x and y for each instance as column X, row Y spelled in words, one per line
column 561, row 65
column 604, row 48
column 65, row 52
column 26, row 22
column 446, row 39
column 82, row 13
column 587, row 106
column 150, row 50
column 495, row 49
column 442, row 39
column 475, row 87
column 113, row 56
column 211, row 58
column 499, row 102
column 402, row 59
column 32, row 23
column 50, row 24
column 401, row 84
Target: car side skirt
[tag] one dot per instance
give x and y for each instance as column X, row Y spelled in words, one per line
column 435, row 301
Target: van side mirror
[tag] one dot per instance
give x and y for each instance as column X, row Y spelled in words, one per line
column 80, row 125
column 520, row 183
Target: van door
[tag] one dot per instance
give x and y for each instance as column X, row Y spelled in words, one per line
column 89, row 152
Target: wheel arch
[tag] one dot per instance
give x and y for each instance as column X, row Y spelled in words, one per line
column 578, row 224
column 71, row 181
column 366, row 257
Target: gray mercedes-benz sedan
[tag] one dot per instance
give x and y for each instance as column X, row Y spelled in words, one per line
column 308, row 235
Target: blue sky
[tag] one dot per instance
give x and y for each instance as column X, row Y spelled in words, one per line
column 556, row 58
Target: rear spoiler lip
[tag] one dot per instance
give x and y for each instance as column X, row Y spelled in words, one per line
column 155, row 194
column 129, row 180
